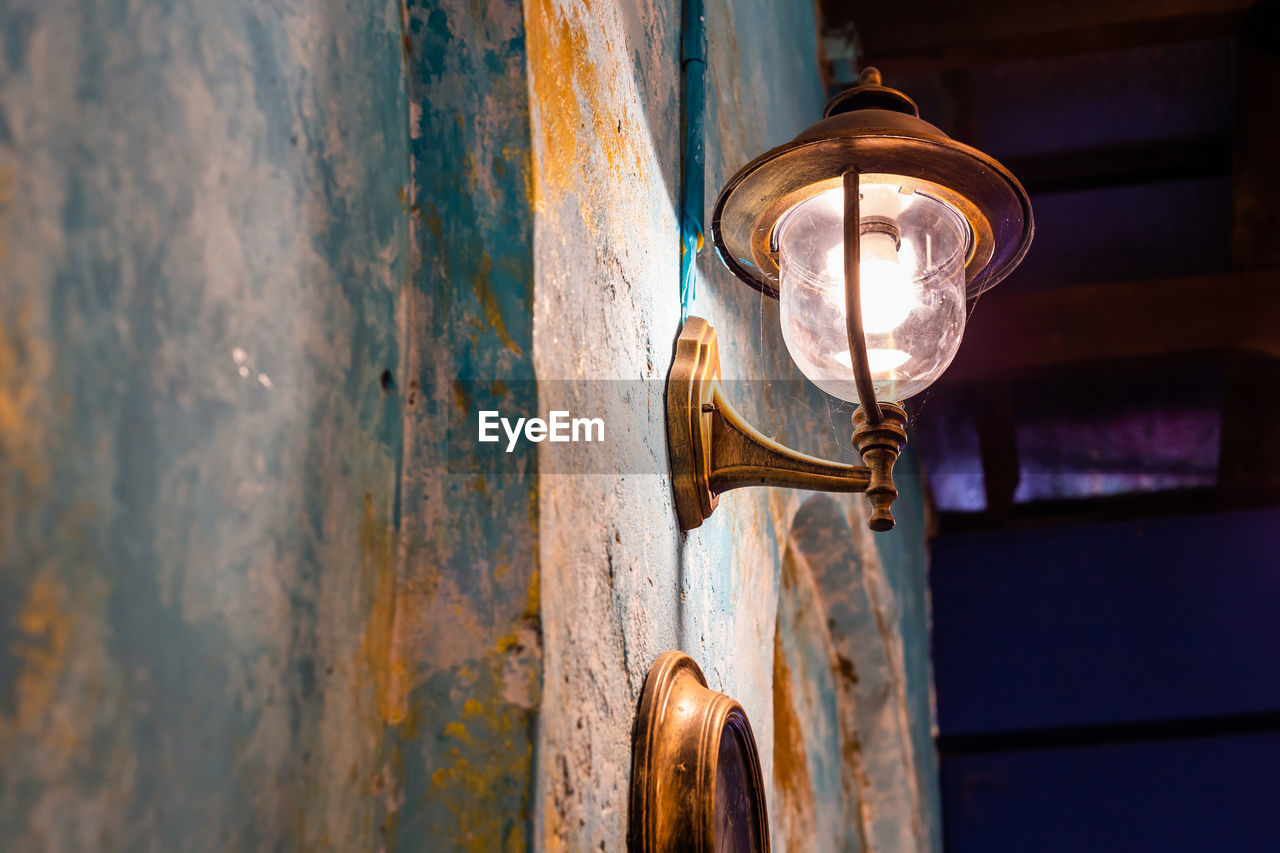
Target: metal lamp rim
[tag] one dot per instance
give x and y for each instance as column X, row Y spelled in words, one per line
column 985, row 192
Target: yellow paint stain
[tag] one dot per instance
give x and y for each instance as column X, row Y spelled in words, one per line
column 42, row 648
column 382, row 659
column 482, row 284
column 25, row 362
column 531, row 187
column 6, row 203
column 579, row 124
column 461, row 396
column 501, row 563
column 440, row 778
column 494, row 748
column 790, row 761
column 459, row 731
column 45, row 633
column 533, row 611
column 469, row 169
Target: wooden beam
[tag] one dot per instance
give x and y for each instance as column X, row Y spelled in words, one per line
column 956, row 88
column 1255, row 235
column 1124, row 165
column 998, row 448
column 1012, row 333
column 939, row 35
column 1066, row 512
column 1249, row 454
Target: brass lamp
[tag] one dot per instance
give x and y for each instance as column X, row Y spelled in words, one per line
column 874, row 230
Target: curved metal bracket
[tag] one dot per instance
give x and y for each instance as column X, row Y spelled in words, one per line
column 713, row 449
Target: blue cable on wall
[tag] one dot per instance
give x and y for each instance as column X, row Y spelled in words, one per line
column 693, row 67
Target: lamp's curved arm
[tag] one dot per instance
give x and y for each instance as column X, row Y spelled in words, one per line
column 741, row 456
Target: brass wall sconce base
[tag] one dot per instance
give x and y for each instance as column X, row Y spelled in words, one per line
column 713, row 449
column 696, row 783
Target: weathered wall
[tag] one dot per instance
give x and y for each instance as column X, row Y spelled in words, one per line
column 619, row 583
column 260, row 264
column 604, row 81
column 246, row 599
column 203, row 258
column 464, row 636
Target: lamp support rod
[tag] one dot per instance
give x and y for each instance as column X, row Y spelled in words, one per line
column 853, row 300
column 879, row 430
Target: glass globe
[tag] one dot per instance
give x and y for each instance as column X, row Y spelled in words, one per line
column 913, row 251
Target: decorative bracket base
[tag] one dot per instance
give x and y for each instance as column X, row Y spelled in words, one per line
column 713, row 449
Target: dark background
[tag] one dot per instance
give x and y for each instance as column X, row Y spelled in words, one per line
column 1104, row 455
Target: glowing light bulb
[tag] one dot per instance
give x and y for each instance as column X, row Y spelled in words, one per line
column 881, row 361
column 889, row 293
column 912, row 250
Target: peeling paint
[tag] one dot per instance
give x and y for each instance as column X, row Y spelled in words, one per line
column 44, row 627
column 795, row 806
column 25, row 361
column 619, row 583
column 381, row 658
column 576, row 103
column 188, row 538
column 468, row 617
column 253, row 595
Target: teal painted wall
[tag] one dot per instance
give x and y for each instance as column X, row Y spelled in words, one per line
column 247, row 248
column 465, row 637
column 205, row 252
column 257, row 263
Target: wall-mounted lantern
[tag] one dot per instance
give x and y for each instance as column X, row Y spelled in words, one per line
column 874, row 230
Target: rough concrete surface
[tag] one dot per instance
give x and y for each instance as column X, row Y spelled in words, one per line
column 619, row 583
column 260, row 265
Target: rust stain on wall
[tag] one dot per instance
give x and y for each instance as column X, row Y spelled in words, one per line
column 488, row 748
column 44, row 628
column 25, row 361
column 6, row 203
column 573, row 98
column 489, row 306
column 790, row 764
column 382, row 658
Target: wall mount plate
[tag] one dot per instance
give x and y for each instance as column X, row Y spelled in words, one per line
column 696, row 784
column 694, row 373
